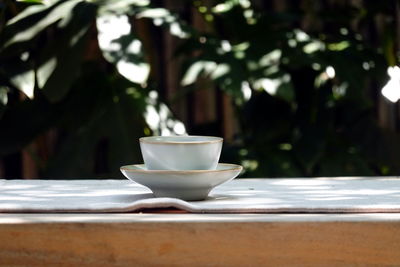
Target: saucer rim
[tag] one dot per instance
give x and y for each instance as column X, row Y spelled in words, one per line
column 235, row 167
column 146, row 140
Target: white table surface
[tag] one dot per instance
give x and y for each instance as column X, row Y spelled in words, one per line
column 213, row 239
column 294, row 195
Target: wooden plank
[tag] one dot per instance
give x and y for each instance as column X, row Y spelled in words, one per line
column 285, row 240
column 36, row 218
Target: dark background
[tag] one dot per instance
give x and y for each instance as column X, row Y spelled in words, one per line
column 292, row 86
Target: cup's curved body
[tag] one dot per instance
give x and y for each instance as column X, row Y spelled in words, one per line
column 181, row 152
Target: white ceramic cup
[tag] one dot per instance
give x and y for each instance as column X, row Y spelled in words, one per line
column 181, row 152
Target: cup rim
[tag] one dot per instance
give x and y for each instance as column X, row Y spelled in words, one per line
column 156, row 139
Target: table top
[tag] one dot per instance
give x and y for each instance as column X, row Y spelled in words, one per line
column 174, row 218
column 294, row 195
column 288, row 236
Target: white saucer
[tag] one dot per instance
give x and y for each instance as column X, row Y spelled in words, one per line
column 186, row 185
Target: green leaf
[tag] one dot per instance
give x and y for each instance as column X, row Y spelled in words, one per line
column 32, row 1
column 45, row 70
column 59, row 60
column 19, row 73
column 155, row 13
column 3, row 95
column 119, row 7
column 196, row 69
column 25, row 82
column 286, row 91
column 121, row 47
column 3, row 99
column 51, row 14
column 36, row 12
column 165, row 18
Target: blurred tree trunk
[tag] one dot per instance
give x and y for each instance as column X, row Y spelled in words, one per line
column 388, row 112
column 397, row 24
column 178, row 104
column 204, row 97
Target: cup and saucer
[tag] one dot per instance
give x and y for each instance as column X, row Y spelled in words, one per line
column 184, row 167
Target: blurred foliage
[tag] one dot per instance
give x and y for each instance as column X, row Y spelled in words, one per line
column 99, row 110
column 303, row 96
column 300, row 80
